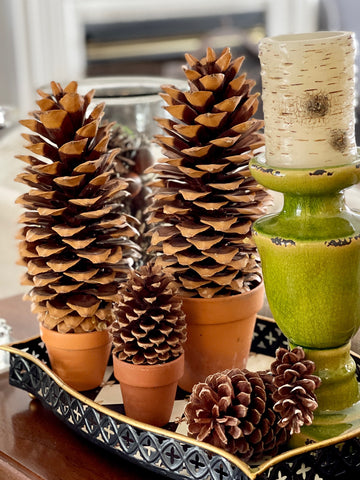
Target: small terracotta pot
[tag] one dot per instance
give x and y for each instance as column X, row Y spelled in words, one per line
column 79, row 359
column 149, row 390
column 219, row 333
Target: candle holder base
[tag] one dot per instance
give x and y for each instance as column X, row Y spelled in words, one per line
column 338, row 397
column 328, row 425
column 337, row 369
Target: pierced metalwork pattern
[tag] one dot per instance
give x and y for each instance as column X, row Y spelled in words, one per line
column 340, row 461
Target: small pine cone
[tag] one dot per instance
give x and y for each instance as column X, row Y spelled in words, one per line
column 205, row 199
column 233, row 410
column 76, row 240
column 134, row 156
column 294, row 398
column 130, row 163
column 138, row 210
column 149, row 324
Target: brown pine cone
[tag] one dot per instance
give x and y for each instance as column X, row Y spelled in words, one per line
column 134, row 155
column 205, row 199
column 130, row 163
column 233, row 410
column 295, row 383
column 149, row 324
column 76, row 240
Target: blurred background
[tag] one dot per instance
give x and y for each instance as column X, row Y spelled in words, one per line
column 64, row 40
column 42, row 40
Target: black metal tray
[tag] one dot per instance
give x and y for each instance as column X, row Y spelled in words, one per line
column 167, row 451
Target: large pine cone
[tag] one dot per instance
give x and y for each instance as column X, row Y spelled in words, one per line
column 205, row 199
column 233, row 410
column 295, row 384
column 76, row 240
column 149, row 324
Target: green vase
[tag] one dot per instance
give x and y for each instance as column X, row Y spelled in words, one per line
column 310, row 254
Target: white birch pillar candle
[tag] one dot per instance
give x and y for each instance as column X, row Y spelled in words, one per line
column 308, row 97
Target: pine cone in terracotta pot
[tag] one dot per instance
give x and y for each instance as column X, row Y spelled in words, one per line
column 252, row 414
column 76, row 240
column 149, row 324
column 205, row 199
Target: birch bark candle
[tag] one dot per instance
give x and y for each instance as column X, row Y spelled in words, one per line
column 308, row 98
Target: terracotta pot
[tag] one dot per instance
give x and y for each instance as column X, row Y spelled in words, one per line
column 219, row 333
column 79, row 359
column 149, row 390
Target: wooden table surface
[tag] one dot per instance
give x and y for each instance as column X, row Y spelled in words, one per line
column 34, row 444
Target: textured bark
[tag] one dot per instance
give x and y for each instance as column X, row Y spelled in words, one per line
column 308, row 96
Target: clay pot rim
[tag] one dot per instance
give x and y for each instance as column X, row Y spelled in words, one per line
column 159, row 373
column 227, row 298
column 223, row 310
column 69, row 341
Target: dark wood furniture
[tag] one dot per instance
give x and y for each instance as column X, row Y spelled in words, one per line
column 34, row 444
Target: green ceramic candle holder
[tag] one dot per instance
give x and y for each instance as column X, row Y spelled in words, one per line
column 310, row 253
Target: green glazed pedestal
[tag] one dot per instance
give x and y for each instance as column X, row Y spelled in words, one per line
column 310, row 254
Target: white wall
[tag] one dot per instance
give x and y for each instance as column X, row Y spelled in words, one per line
column 291, row 16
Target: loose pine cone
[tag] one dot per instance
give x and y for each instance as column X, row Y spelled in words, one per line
column 205, row 199
column 253, row 414
column 233, row 410
column 76, row 240
column 149, row 324
column 294, row 398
